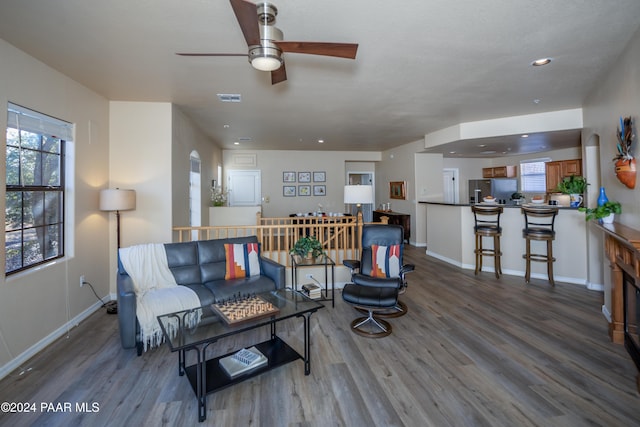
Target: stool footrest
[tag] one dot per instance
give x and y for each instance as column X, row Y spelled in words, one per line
column 539, row 258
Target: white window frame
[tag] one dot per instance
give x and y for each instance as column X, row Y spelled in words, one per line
column 533, row 181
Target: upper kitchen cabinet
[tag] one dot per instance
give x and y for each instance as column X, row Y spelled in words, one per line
column 555, row 171
column 500, row 172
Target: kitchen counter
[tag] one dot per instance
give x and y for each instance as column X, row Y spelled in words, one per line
column 450, row 238
column 506, row 206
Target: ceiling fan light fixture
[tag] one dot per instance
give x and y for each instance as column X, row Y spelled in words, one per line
column 265, row 58
column 266, row 63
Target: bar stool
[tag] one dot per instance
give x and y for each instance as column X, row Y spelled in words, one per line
column 539, row 225
column 487, row 224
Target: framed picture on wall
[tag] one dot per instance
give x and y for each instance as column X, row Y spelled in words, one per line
column 319, row 190
column 397, row 190
column 319, row 176
column 288, row 177
column 304, row 190
column 289, row 190
column 304, row 176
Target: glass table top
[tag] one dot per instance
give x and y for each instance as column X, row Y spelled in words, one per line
column 188, row 328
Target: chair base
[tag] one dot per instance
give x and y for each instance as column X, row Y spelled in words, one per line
column 389, row 313
column 494, row 253
column 547, row 258
column 383, row 327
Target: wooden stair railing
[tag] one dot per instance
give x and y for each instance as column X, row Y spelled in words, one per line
column 277, row 235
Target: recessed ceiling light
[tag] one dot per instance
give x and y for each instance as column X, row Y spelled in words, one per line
column 321, row 141
column 482, row 145
column 236, row 143
column 540, row 62
column 524, row 136
column 452, row 152
column 536, row 101
column 226, row 126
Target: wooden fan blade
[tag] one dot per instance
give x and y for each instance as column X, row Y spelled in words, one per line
column 247, row 15
column 340, row 50
column 212, row 54
column 279, row 75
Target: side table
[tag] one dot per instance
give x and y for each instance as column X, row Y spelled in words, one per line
column 323, row 260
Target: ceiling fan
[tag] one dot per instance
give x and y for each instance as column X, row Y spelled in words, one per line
column 265, row 41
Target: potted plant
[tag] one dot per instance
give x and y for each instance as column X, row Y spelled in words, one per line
column 218, row 197
column 574, row 186
column 307, row 247
column 604, row 213
column 517, row 197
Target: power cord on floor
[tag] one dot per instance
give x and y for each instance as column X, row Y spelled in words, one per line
column 111, row 306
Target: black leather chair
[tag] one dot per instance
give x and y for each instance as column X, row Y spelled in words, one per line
column 379, row 279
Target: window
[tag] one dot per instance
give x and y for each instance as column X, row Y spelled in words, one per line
column 532, row 175
column 34, row 200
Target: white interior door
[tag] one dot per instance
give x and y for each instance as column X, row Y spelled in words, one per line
column 244, row 188
column 451, row 191
column 195, row 203
column 363, row 178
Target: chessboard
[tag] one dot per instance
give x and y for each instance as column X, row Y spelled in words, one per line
column 243, row 309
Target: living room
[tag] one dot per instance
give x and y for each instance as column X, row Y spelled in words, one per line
column 145, row 146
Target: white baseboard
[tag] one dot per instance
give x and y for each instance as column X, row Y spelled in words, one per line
column 19, row 360
column 541, row 276
column 606, row 313
column 595, row 287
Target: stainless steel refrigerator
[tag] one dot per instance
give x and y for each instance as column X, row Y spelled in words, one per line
column 500, row 188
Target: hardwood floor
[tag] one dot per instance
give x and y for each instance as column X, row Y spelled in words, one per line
column 472, row 351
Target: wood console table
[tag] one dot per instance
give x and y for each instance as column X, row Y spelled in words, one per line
column 396, row 218
column 622, row 247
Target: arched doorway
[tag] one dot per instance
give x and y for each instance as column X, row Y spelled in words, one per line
column 195, row 192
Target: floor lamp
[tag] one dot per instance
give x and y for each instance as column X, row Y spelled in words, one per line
column 116, row 200
column 358, row 194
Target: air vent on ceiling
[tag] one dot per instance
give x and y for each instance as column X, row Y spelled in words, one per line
column 230, row 97
column 244, row 139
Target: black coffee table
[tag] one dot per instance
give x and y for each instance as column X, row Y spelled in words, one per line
column 207, row 376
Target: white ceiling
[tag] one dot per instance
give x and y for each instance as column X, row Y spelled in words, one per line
column 422, row 65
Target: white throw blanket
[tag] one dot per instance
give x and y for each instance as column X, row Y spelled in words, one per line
column 157, row 292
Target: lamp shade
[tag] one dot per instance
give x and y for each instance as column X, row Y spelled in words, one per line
column 358, row 194
column 117, row 200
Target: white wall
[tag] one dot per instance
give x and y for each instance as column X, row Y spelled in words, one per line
column 140, row 154
column 186, row 138
column 399, row 164
column 618, row 94
column 38, row 306
column 272, row 163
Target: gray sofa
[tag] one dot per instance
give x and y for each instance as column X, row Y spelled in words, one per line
column 200, row 266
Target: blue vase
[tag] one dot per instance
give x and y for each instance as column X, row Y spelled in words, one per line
column 602, row 198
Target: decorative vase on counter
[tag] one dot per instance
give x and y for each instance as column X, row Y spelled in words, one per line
column 608, row 219
column 575, row 200
column 602, row 198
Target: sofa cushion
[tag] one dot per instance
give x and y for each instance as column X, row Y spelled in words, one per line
column 183, row 262
column 223, row 289
column 205, row 295
column 241, row 260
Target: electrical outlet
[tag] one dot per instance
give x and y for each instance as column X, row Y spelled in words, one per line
column 81, row 280
column 309, row 276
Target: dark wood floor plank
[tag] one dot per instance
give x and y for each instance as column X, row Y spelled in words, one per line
column 472, row 351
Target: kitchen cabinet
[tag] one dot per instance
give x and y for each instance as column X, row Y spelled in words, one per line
column 396, row 218
column 499, row 172
column 555, row 171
